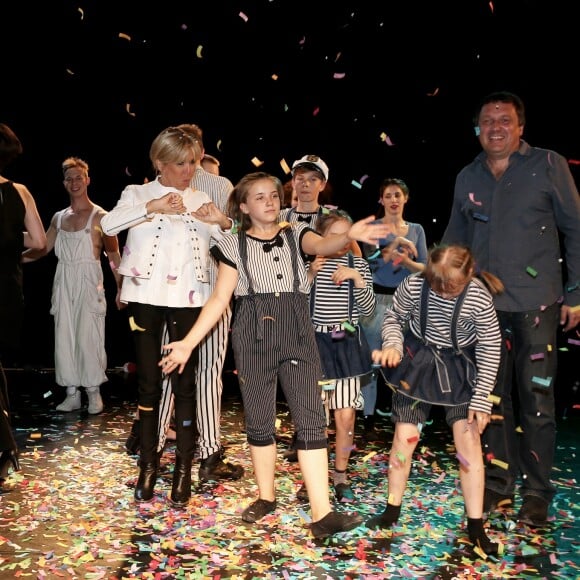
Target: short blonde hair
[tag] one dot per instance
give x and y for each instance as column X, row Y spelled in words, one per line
column 77, row 162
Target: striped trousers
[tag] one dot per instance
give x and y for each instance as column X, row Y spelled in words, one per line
column 212, row 354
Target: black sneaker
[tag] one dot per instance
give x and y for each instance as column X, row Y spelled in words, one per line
column 494, row 501
column 534, row 511
column 214, row 468
column 335, row 522
column 257, row 510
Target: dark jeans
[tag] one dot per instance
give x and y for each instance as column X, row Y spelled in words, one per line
column 523, row 373
column 151, row 321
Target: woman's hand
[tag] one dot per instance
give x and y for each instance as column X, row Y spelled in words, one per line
column 178, row 354
column 210, row 214
column 170, row 203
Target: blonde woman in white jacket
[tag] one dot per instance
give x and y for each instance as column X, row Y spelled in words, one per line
column 166, row 280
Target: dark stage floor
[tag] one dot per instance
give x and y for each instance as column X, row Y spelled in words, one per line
column 69, row 513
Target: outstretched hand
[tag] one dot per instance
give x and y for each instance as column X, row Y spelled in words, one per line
column 366, row 231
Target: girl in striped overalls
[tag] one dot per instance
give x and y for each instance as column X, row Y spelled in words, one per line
column 273, row 339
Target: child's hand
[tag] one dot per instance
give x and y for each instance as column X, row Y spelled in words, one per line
column 388, row 357
column 343, row 273
column 316, row 264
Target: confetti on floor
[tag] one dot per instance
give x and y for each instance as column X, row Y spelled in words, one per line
column 70, row 513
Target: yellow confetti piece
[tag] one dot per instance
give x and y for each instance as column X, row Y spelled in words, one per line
column 406, row 385
column 82, row 13
column 125, row 36
column 257, row 162
column 128, row 109
column 494, row 399
column 519, row 429
column 69, row 71
column 219, row 145
column 198, row 51
column 369, row 455
column 134, row 326
column 500, row 463
column 35, row 435
column 549, row 348
column 285, row 168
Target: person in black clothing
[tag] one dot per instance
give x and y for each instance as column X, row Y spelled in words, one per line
column 18, row 211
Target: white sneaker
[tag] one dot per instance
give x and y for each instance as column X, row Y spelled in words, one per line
column 71, row 403
column 95, row 401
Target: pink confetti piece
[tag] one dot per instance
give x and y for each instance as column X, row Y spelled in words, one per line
column 112, row 265
column 363, row 179
column 243, row 16
column 302, row 40
column 126, row 250
column 462, row 459
column 537, row 356
column 472, row 199
column 134, row 271
column 191, row 293
column 171, row 278
column 536, row 457
column 339, row 75
column 574, row 341
column 316, row 111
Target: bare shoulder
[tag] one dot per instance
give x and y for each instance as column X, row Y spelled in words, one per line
column 24, row 193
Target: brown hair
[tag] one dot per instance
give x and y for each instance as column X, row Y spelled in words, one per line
column 239, row 195
column 451, row 267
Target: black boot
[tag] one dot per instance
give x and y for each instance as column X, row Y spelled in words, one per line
column 149, row 460
column 132, row 443
column 146, row 482
column 181, row 488
column 7, row 459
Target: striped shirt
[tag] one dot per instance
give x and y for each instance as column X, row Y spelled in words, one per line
column 477, row 323
column 330, row 304
column 269, row 264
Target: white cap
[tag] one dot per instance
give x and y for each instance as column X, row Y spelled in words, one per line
column 312, row 162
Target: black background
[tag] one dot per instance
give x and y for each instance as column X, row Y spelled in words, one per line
column 71, row 85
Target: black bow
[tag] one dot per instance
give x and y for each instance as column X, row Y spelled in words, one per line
column 305, row 218
column 278, row 241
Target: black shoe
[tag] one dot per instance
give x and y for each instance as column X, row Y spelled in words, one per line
column 257, row 510
column 494, row 501
column 534, row 511
column 343, row 492
column 214, row 468
column 302, row 493
column 335, row 522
